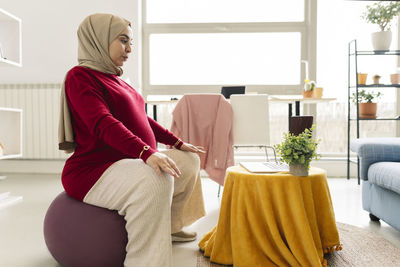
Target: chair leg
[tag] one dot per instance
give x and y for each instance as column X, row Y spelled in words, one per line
column 273, row 149
column 266, row 153
column 373, row 218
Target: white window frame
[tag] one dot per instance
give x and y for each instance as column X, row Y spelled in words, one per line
column 307, row 29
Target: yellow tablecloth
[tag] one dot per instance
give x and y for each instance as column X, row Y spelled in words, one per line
column 273, row 219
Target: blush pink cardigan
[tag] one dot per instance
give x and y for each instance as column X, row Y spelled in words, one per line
column 206, row 120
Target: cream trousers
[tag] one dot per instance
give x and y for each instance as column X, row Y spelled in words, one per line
column 153, row 206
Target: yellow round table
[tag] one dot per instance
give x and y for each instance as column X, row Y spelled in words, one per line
column 273, row 219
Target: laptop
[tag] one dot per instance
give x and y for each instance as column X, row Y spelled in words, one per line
column 264, row 167
column 227, row 91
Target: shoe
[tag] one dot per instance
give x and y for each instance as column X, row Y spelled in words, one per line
column 183, row 236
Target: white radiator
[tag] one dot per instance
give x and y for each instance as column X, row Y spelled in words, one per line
column 40, row 103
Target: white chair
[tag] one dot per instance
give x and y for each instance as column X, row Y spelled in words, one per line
column 251, row 122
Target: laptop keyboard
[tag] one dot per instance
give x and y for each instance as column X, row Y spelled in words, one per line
column 277, row 166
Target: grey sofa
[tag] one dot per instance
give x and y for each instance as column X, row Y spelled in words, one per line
column 380, row 174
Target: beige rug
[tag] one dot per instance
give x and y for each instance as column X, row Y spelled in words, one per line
column 360, row 248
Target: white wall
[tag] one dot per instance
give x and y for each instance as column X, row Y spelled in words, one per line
column 49, row 47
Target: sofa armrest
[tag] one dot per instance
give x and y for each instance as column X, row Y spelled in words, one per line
column 371, row 150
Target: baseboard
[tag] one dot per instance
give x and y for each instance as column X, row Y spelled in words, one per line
column 31, row 166
column 335, row 167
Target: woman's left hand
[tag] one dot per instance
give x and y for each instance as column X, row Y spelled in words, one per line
column 192, row 148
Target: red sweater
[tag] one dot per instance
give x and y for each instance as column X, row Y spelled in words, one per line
column 110, row 124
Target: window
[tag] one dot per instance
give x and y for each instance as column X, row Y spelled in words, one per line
column 206, row 11
column 225, row 58
column 192, row 46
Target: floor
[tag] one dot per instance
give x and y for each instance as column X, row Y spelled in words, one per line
column 21, row 238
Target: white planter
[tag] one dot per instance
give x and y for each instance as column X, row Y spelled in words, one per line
column 381, row 40
column 298, row 169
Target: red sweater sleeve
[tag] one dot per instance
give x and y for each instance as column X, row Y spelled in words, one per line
column 163, row 135
column 87, row 100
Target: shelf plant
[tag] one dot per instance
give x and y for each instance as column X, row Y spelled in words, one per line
column 382, row 13
column 367, row 105
column 298, row 151
column 366, row 97
column 308, row 88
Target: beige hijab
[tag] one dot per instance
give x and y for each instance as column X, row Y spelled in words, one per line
column 95, row 34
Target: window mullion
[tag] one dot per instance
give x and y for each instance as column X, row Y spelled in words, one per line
column 225, row 27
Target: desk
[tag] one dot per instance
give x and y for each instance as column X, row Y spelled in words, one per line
column 158, row 102
column 290, row 99
column 273, row 219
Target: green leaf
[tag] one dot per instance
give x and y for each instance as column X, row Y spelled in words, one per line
column 382, row 13
column 298, row 149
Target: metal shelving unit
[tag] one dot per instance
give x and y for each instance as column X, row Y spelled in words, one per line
column 353, row 52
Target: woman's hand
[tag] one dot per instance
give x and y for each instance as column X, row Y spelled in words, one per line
column 162, row 163
column 192, row 148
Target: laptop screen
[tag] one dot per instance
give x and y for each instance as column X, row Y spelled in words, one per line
column 227, row 91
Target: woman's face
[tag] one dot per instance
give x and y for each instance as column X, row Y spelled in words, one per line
column 121, row 47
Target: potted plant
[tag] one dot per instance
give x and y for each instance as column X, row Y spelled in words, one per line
column 362, row 78
column 366, row 105
column 318, row 92
column 298, row 151
column 376, row 78
column 308, row 88
column 382, row 14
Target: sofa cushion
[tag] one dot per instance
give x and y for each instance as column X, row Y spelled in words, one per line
column 386, row 175
column 371, row 150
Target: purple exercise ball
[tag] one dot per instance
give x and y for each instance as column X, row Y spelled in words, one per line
column 82, row 235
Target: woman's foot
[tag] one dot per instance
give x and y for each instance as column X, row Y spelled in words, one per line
column 183, row 236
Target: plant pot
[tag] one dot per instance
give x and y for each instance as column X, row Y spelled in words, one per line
column 376, row 79
column 362, row 78
column 367, row 110
column 298, row 170
column 395, row 78
column 381, row 40
column 307, row 94
column 318, row 91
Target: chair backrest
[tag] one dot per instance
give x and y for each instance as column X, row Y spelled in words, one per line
column 299, row 123
column 227, row 91
column 250, row 119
